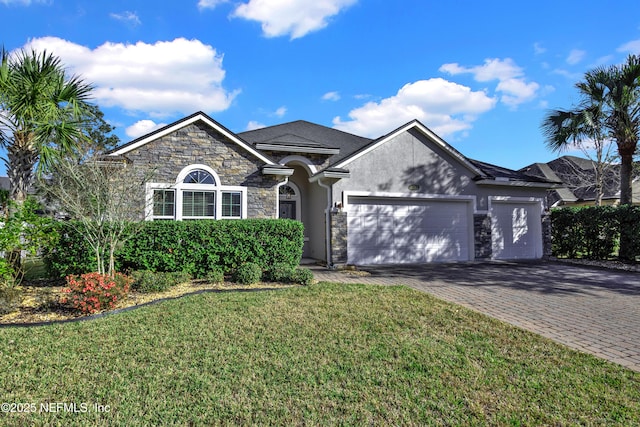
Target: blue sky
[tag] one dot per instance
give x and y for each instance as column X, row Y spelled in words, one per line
column 479, row 74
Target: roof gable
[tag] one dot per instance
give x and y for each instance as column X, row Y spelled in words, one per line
column 431, row 136
column 196, row 117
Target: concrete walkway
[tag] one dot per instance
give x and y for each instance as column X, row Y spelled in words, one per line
column 589, row 309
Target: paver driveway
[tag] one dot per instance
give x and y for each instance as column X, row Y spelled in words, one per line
column 590, row 309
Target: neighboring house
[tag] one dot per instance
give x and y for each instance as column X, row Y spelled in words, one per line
column 406, row 197
column 578, row 177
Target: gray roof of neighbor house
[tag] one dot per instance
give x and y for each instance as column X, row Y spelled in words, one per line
column 494, row 171
column 578, row 176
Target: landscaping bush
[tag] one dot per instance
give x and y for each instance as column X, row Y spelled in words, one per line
column 215, row 275
column 280, row 272
column 10, row 298
column 303, row 276
column 595, row 232
column 200, row 246
column 71, row 254
column 629, row 217
column 195, row 247
column 92, row 292
column 147, row 281
column 248, row 274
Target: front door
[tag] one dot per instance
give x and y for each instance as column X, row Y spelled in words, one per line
column 288, row 209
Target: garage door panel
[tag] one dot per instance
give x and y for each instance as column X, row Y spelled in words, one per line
column 516, row 230
column 408, row 231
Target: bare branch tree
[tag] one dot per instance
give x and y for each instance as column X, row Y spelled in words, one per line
column 102, row 194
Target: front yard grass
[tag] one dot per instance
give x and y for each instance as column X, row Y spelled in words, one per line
column 319, row 355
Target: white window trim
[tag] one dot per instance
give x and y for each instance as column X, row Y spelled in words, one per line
column 179, row 186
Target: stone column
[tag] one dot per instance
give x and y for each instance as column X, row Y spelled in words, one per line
column 482, row 236
column 338, row 238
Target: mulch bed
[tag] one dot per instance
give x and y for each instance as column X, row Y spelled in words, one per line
column 41, row 300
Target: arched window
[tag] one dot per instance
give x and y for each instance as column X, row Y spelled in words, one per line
column 196, row 194
column 199, row 176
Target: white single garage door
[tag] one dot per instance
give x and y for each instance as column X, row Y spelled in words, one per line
column 516, row 230
column 393, row 231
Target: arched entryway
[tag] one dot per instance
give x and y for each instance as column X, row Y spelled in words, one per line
column 306, row 202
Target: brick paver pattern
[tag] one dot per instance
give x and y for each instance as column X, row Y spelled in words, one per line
column 592, row 310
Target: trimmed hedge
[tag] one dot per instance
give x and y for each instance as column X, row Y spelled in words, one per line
column 595, row 232
column 196, row 247
column 71, row 253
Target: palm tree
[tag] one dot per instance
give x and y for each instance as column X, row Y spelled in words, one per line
column 610, row 108
column 41, row 114
column 583, row 128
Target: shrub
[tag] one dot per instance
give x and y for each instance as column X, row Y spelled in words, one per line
column 6, row 274
column 92, row 292
column 200, row 246
column 303, row 276
column 215, row 275
column 10, row 298
column 71, row 254
column 280, row 272
column 147, row 281
column 248, row 273
column 196, row 247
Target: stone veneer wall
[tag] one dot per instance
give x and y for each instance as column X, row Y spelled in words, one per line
column 196, row 143
column 338, row 238
column 482, row 236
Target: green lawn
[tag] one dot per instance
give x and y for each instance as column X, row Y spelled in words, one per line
column 321, row 355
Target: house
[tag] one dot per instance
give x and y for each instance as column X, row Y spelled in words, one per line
column 578, row 177
column 406, row 197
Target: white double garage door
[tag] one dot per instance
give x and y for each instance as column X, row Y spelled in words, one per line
column 391, row 230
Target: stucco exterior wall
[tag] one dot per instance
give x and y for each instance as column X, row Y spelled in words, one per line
column 412, row 160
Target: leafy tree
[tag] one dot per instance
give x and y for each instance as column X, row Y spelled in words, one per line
column 23, row 230
column 98, row 132
column 41, row 114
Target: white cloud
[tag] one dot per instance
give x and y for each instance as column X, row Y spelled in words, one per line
column 632, row 47
column 179, row 76
column 443, row 106
column 492, row 69
column 130, row 18
column 142, row 127
column 209, row 4
column 253, row 125
column 575, row 56
column 517, row 91
column 331, row 96
column 511, row 82
column 295, row 18
column 280, row 112
column 538, row 49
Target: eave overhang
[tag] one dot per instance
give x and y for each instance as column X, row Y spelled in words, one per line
column 277, row 171
column 508, row 183
column 330, row 174
column 296, row 149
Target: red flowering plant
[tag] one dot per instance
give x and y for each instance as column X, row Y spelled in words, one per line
column 93, row 292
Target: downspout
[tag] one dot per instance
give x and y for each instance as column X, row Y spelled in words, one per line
column 285, row 182
column 327, row 213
